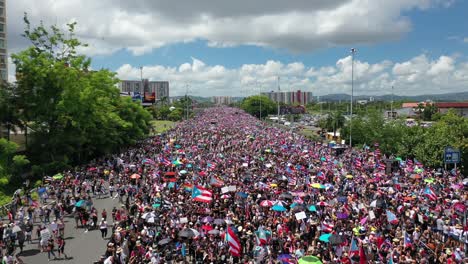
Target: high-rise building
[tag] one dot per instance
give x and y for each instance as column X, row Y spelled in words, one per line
column 297, row 97
column 149, row 91
column 3, row 42
column 221, row 100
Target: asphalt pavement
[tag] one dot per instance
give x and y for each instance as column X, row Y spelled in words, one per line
column 81, row 247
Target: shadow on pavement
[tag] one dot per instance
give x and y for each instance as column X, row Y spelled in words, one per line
column 29, row 252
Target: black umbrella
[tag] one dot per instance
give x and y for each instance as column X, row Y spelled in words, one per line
column 187, row 233
column 164, row 241
column 286, row 196
column 336, row 239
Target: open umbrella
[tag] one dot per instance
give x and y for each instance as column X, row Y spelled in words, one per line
column 135, row 176
column 187, row 233
column 336, row 239
column 219, row 221
column 309, row 260
column 16, row 229
column 429, row 180
column 214, row 232
column 164, row 241
column 317, row 186
column 207, row 219
column 278, row 208
column 312, row 208
column 415, row 176
column 286, row 258
column 57, row 176
column 342, row 215
column 80, row 203
column 286, row 196
column 242, row 195
column 183, row 172
column 325, row 238
column 322, row 203
column 266, row 203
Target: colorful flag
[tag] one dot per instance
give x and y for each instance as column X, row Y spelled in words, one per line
column 214, row 181
column 149, row 162
column 201, row 194
column 354, row 249
column 262, row 236
column 391, row 217
column 235, row 247
column 165, row 161
column 327, row 228
column 408, row 241
column 187, row 187
column 429, row 193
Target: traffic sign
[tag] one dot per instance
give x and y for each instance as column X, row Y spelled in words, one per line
column 451, row 155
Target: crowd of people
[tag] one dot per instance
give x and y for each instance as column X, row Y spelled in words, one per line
column 225, row 187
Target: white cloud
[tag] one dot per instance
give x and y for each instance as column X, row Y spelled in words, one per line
column 419, row 75
column 297, row 26
column 465, row 40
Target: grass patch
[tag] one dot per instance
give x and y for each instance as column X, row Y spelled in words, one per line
column 161, row 126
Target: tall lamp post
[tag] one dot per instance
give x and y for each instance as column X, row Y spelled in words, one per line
column 353, row 51
column 278, row 97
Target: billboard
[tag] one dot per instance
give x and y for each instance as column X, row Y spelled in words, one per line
column 149, row 98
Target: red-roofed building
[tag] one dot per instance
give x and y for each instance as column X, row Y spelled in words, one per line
column 461, row 108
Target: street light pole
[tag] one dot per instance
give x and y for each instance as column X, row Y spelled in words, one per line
column 186, row 103
column 353, row 51
column 391, row 104
column 278, row 99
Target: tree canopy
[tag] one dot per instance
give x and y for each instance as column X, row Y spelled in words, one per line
column 257, row 104
column 75, row 113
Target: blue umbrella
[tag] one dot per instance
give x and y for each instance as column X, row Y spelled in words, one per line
column 278, row 208
column 41, row 190
column 242, row 194
column 80, row 203
column 285, row 258
column 342, row 199
column 325, row 238
column 312, row 208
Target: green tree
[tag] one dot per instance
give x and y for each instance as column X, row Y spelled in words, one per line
column 253, row 104
column 76, row 114
column 175, row 115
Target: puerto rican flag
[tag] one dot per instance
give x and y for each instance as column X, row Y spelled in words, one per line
column 409, row 163
column 381, row 166
column 391, row 217
column 214, row 181
column 327, row 228
column 429, row 193
column 201, row 194
column 165, row 161
column 408, row 242
column 233, row 241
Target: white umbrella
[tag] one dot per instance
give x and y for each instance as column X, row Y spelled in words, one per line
column 16, row 229
column 195, row 232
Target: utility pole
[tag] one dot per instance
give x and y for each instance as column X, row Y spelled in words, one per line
column 278, row 99
column 259, row 97
column 391, row 104
column 186, row 102
column 353, row 51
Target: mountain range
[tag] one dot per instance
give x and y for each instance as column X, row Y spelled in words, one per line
column 447, row 97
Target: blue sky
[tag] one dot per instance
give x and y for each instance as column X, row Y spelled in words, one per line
column 222, row 48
